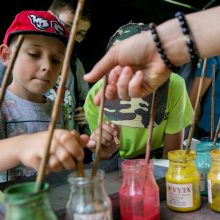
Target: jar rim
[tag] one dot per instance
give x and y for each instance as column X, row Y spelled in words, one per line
column 206, row 144
column 206, row 139
column 136, row 165
column 181, row 156
column 203, row 146
column 24, row 192
column 88, row 179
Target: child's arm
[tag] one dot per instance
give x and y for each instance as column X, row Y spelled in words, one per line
column 108, row 145
column 29, row 150
column 172, row 142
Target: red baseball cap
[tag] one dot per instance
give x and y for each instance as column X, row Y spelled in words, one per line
column 36, row 22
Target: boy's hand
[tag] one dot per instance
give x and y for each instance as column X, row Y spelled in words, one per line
column 109, row 142
column 66, row 148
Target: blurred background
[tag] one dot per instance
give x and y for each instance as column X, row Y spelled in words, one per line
column 107, row 17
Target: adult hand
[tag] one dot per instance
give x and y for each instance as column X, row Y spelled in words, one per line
column 134, row 66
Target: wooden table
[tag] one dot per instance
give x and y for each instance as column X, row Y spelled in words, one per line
column 204, row 213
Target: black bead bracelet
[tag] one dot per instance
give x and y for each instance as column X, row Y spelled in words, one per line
column 160, row 50
column 189, row 42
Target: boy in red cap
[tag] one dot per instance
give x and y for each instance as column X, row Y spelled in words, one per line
column 25, row 108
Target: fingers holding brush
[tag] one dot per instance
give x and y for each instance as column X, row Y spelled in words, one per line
column 109, row 143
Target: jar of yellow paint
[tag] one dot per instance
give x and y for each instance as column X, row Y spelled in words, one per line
column 214, row 181
column 182, row 182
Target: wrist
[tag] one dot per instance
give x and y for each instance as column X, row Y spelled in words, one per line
column 173, row 42
column 160, row 49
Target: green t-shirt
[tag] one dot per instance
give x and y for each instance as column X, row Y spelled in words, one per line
column 133, row 140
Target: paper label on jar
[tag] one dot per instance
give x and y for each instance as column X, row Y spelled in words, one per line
column 179, row 195
column 209, row 191
column 94, row 216
column 202, row 181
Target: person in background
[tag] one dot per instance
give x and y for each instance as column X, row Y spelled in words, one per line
column 76, row 87
column 25, row 108
column 186, row 71
column 192, row 76
column 143, row 70
column 204, row 117
column 131, row 117
column 65, row 10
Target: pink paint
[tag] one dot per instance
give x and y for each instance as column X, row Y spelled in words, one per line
column 139, row 192
column 138, row 208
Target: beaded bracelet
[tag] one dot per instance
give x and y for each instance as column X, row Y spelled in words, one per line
column 189, row 42
column 160, row 50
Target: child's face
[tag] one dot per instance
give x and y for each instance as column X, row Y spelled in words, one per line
column 66, row 17
column 37, row 66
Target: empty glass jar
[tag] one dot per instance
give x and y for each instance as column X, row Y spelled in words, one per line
column 88, row 199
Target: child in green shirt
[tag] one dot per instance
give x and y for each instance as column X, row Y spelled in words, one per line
column 131, row 117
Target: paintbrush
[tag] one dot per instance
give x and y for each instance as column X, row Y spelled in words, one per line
column 216, row 133
column 100, row 121
column 56, row 106
column 212, row 103
column 192, row 128
column 150, row 128
column 8, row 70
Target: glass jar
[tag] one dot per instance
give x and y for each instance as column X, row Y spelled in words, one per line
column 182, row 182
column 139, row 193
column 23, row 203
column 214, row 181
column 88, row 199
column 203, row 163
column 210, row 142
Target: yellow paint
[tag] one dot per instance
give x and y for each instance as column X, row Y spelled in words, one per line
column 214, row 181
column 182, row 175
